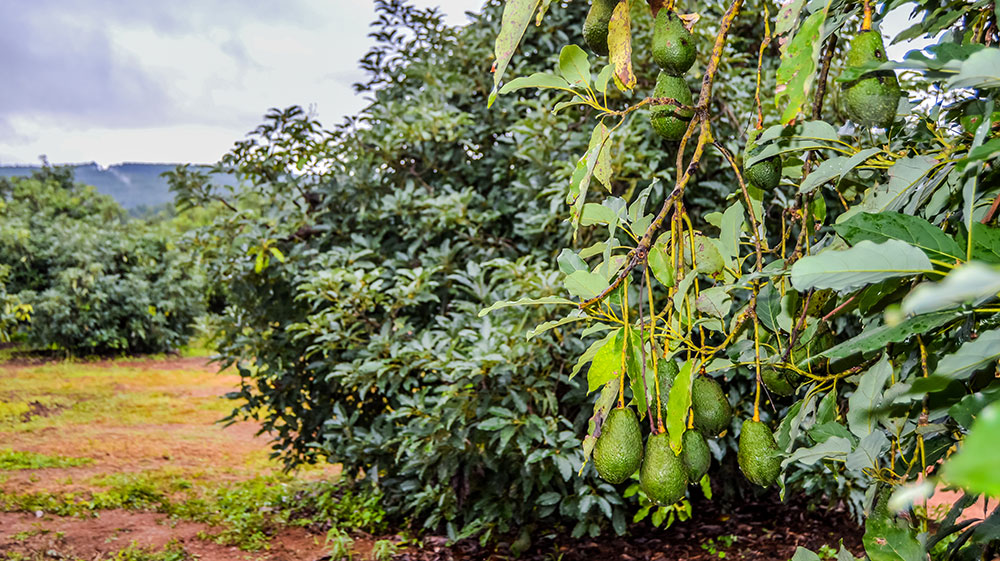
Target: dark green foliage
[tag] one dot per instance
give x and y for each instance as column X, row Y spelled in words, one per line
column 871, row 100
column 618, row 451
column 765, row 174
column 695, row 455
column 663, row 476
column 670, row 121
column 595, row 27
column 757, row 455
column 711, row 410
column 97, row 283
column 673, row 45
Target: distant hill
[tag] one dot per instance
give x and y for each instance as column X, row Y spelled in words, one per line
column 133, row 185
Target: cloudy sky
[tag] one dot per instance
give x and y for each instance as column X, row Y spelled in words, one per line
column 178, row 81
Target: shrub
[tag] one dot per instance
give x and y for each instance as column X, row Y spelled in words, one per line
column 95, row 282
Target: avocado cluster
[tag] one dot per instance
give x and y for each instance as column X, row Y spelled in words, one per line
column 595, row 27
column 663, row 474
column 871, row 100
column 674, row 53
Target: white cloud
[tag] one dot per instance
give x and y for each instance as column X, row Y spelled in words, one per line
column 120, row 80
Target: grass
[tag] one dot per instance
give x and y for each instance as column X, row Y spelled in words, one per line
column 15, row 460
column 244, row 514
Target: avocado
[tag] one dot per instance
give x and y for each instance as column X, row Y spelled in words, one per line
column 618, row 450
column 712, row 412
column 779, row 381
column 595, row 27
column 765, row 174
column 673, row 46
column 871, row 100
column 667, row 371
column 757, row 453
column 813, row 347
column 695, row 455
column 670, row 121
column 663, row 476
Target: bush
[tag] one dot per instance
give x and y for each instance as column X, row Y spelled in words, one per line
column 95, row 282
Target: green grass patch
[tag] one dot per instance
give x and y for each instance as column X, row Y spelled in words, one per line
column 243, row 514
column 173, row 551
column 14, row 459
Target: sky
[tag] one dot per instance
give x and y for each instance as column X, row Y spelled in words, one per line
column 180, row 81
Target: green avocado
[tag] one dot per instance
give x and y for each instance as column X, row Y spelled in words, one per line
column 777, row 380
column 595, row 27
column 670, row 121
column 673, row 46
column 618, row 450
column 765, row 174
column 814, row 346
column 667, row 371
column 712, row 412
column 757, row 453
column 695, row 455
column 871, row 100
column 663, row 476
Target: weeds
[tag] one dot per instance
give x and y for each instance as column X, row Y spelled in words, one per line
column 14, row 460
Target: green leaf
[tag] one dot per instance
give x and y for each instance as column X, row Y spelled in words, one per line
column 803, row 554
column 526, row 302
column 982, row 153
column 897, row 226
column 980, row 70
column 678, row 404
column 986, row 243
column 868, row 452
column 620, row 46
column 516, row 16
column 594, row 213
column 574, row 66
column 601, row 83
column 659, row 263
column 863, row 264
column 798, row 64
column 875, row 338
column 575, row 315
column 591, row 352
column 769, row 308
column 974, row 467
column 971, row 283
column 607, row 362
column 548, row 499
column 867, row 398
column 536, row 80
column 584, row 284
column 836, row 166
column 972, row 356
column 904, row 176
column 835, row 447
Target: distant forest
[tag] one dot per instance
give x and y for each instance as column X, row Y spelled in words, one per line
column 137, row 187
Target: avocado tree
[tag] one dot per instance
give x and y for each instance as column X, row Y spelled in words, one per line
column 846, row 284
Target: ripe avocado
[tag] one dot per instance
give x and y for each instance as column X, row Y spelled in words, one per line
column 673, row 46
column 595, row 27
column 618, row 450
column 670, row 121
column 765, row 174
column 712, row 412
column 695, row 455
column 757, row 453
column 663, row 476
column 872, row 99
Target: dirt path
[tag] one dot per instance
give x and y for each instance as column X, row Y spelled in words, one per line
column 152, row 421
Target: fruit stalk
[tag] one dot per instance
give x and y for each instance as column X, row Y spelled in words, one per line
column 638, row 255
